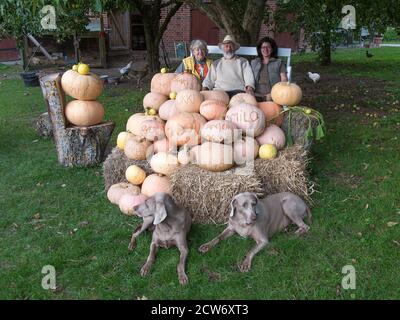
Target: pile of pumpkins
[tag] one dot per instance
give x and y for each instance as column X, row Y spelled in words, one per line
column 182, row 124
column 86, row 87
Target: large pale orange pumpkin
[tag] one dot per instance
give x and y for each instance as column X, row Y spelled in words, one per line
column 153, row 130
column 245, row 150
column 163, row 145
column 84, row 113
column 154, row 100
column 188, row 101
column 214, row 156
column 286, row 94
column 220, row 131
column 213, row 109
column 242, row 98
column 156, row 183
column 161, row 83
column 138, row 149
column 184, row 128
column 167, row 110
column 116, row 191
column 129, row 201
column 217, row 95
column 185, row 81
column 272, row 112
column 272, row 135
column 81, row 87
column 164, row 163
column 134, row 124
column 247, row 117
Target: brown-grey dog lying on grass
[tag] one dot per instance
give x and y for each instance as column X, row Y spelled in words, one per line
column 261, row 218
column 172, row 224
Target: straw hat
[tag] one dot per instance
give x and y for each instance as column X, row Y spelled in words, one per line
column 231, row 39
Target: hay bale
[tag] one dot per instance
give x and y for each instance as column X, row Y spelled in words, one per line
column 115, row 165
column 207, row 195
column 287, row 172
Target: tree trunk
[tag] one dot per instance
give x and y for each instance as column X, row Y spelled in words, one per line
column 325, row 50
column 76, row 146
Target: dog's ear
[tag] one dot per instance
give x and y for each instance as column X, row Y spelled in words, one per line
column 257, row 209
column 161, row 212
column 233, row 208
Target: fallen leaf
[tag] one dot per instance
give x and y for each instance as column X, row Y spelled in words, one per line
column 391, row 224
column 366, row 206
column 63, row 185
column 36, row 216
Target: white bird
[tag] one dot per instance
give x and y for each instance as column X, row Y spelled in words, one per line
column 314, row 76
column 125, row 70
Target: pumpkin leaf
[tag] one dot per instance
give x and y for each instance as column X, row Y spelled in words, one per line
column 309, row 134
column 319, row 134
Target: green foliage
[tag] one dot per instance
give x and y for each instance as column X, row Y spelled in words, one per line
column 391, row 34
column 19, row 17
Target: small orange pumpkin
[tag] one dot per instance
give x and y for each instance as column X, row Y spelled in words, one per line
column 286, row 94
column 271, row 111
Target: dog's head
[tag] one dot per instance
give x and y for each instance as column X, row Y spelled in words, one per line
column 245, row 208
column 154, row 207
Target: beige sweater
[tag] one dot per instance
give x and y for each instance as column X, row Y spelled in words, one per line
column 230, row 74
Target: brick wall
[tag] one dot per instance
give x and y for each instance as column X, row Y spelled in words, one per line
column 178, row 29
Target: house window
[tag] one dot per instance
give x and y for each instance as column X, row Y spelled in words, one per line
column 138, row 40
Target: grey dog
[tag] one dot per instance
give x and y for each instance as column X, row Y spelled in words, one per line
column 172, row 224
column 260, row 219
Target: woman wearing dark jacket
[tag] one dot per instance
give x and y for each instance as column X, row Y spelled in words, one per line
column 267, row 68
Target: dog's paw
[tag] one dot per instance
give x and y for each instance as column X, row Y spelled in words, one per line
column 132, row 246
column 145, row 270
column 204, row 248
column 183, row 279
column 302, row 231
column 245, row 266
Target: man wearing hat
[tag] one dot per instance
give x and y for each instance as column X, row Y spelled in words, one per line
column 231, row 73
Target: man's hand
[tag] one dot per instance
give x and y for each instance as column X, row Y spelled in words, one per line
column 250, row 90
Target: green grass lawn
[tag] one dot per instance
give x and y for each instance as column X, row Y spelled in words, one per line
column 51, row 215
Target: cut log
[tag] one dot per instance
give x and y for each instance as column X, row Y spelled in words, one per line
column 42, row 125
column 76, row 146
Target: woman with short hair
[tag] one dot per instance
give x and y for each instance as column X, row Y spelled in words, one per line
column 267, row 68
column 197, row 63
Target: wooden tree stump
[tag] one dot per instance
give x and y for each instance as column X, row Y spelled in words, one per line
column 42, row 125
column 76, row 146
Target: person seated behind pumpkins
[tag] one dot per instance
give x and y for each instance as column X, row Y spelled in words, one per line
column 197, row 63
column 267, row 68
column 231, row 73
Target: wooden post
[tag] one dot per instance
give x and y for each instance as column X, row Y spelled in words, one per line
column 76, row 146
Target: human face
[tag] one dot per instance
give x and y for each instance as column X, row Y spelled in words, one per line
column 198, row 54
column 228, row 50
column 266, row 49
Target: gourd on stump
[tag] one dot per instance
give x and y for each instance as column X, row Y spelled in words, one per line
column 76, row 146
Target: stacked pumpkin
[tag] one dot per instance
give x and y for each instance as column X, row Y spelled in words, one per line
column 86, row 87
column 205, row 128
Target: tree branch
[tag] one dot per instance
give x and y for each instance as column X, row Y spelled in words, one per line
column 253, row 17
